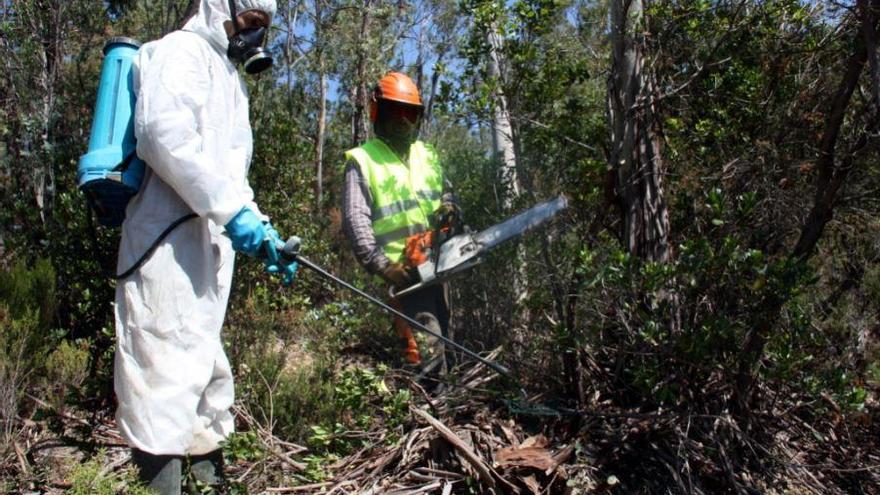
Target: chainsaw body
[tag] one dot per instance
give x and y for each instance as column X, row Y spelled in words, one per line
column 436, row 256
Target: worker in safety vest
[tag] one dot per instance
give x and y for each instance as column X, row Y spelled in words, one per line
column 394, row 191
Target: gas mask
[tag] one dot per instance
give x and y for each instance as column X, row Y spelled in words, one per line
column 398, row 124
column 246, row 46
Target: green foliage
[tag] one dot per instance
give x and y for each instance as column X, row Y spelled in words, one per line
column 30, row 290
column 243, row 446
column 281, row 387
column 26, row 313
column 92, row 478
column 364, row 401
column 316, row 469
column 872, row 283
column 360, row 390
column 22, row 347
column 66, row 369
column 673, row 328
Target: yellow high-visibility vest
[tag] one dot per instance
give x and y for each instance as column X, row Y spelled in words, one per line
column 404, row 195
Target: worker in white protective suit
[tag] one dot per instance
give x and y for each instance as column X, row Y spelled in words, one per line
column 173, row 381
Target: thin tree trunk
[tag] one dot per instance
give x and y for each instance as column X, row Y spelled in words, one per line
column 435, row 78
column 502, row 131
column 420, row 58
column 832, row 177
column 359, row 128
column 503, row 146
column 322, row 105
column 44, row 172
column 288, row 56
column 869, row 14
column 319, row 137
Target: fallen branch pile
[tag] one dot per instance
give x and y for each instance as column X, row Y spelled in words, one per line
column 454, row 443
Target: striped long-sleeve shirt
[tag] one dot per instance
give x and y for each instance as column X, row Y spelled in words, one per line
column 357, row 221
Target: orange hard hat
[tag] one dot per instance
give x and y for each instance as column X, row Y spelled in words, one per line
column 396, row 87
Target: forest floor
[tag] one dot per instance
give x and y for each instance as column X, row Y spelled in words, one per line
column 470, row 438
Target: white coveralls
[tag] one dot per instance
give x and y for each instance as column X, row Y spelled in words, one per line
column 173, row 381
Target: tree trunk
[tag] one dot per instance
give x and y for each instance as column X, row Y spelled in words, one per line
column 322, row 107
column 420, row 59
column 319, row 137
column 635, row 137
column 435, row 78
column 360, row 92
column 502, row 131
column 44, row 171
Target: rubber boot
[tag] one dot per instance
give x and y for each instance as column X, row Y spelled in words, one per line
column 161, row 473
column 206, row 471
column 431, row 349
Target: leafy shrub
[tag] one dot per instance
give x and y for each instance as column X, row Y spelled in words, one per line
column 276, row 380
column 26, row 314
column 24, row 290
column 66, row 369
column 666, row 348
column 16, row 365
column 92, row 478
column 244, row 446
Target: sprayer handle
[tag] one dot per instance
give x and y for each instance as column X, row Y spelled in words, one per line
column 290, row 251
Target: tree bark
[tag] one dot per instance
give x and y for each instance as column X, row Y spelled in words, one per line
column 830, row 176
column 435, row 79
column 322, row 107
column 635, row 137
column 503, row 147
column 49, row 25
column 319, row 138
column 869, row 13
column 502, row 131
column 360, row 92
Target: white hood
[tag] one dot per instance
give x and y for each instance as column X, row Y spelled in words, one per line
column 208, row 21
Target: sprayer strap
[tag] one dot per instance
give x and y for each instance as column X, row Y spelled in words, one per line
column 155, row 244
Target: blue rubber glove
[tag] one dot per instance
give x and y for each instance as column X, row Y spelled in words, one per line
column 273, row 260
column 247, row 232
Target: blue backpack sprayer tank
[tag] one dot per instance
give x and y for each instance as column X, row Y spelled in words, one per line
column 111, row 173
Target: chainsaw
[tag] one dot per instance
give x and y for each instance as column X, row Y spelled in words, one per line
column 437, row 255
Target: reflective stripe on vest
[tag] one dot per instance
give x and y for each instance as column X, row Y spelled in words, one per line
column 403, row 196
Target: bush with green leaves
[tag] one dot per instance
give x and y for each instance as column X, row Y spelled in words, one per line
column 243, row 446
column 93, row 478
column 66, row 370
column 670, row 334
column 27, row 307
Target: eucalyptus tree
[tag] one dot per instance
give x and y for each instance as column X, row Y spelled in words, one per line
column 636, row 151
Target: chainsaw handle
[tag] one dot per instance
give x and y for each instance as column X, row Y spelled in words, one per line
column 406, row 290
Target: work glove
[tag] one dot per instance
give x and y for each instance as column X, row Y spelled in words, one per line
column 247, row 232
column 254, row 237
column 398, row 275
column 272, row 258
